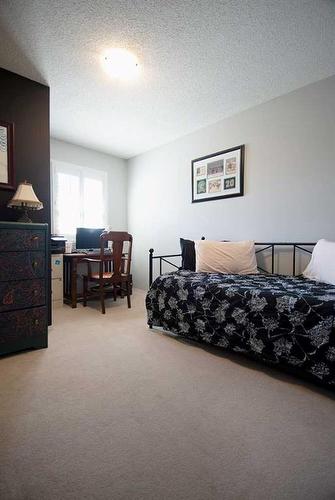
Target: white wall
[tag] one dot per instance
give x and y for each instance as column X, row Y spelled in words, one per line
column 116, row 169
column 289, row 179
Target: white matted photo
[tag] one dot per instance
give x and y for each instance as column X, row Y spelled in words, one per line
column 215, row 168
column 218, row 175
column 3, row 155
column 230, row 166
column 6, row 156
column 201, row 171
column 215, row 185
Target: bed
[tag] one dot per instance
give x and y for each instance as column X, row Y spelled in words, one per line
column 283, row 320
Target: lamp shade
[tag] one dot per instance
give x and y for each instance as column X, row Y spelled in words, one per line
column 25, row 197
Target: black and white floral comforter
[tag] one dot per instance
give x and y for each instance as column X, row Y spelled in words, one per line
column 281, row 319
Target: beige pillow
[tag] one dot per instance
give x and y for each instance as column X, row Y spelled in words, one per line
column 231, row 257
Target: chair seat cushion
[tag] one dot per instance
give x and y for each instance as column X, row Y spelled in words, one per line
column 105, row 276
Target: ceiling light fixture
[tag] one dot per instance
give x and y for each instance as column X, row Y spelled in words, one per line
column 120, row 64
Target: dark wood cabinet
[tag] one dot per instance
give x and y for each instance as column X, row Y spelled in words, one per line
column 24, row 292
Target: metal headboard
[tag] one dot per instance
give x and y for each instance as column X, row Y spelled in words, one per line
column 260, row 247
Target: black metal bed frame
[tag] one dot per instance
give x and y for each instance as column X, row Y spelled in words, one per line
column 265, row 246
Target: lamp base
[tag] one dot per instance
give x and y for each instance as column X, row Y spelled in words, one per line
column 24, row 210
column 25, row 217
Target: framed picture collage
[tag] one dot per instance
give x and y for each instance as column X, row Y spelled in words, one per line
column 219, row 175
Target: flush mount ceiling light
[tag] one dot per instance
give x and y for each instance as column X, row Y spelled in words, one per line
column 120, row 64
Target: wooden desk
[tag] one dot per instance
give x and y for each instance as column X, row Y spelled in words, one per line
column 70, row 276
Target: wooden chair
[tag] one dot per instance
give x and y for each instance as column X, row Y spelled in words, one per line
column 114, row 268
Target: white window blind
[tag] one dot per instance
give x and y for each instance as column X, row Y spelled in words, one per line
column 79, row 198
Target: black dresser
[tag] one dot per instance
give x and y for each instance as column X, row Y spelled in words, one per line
column 24, row 294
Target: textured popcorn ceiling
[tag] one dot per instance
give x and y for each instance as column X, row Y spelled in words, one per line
column 201, row 61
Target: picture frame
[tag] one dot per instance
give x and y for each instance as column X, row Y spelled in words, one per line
column 218, row 175
column 7, row 155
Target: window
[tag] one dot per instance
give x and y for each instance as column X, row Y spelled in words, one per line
column 79, row 198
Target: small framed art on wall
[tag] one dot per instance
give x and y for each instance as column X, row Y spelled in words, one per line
column 6, row 155
column 218, row 175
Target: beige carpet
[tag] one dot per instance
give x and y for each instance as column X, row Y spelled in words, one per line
column 114, row 411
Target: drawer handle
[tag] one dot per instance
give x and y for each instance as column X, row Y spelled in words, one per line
column 36, row 322
column 35, row 264
column 35, row 292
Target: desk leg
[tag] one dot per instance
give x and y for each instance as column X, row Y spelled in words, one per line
column 74, row 284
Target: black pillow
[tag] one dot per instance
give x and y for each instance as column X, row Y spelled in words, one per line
column 187, row 255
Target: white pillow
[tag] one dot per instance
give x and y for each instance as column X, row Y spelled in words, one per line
column 231, row 257
column 322, row 263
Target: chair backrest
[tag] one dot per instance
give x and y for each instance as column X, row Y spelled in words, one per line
column 121, row 256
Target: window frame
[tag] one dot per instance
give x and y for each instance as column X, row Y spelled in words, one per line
column 79, row 171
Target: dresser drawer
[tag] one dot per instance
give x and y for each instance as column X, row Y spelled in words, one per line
column 21, row 266
column 22, row 325
column 12, row 240
column 21, row 294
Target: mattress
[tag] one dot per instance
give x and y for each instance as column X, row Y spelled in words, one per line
column 281, row 319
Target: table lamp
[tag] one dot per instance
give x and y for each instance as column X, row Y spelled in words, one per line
column 25, row 199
